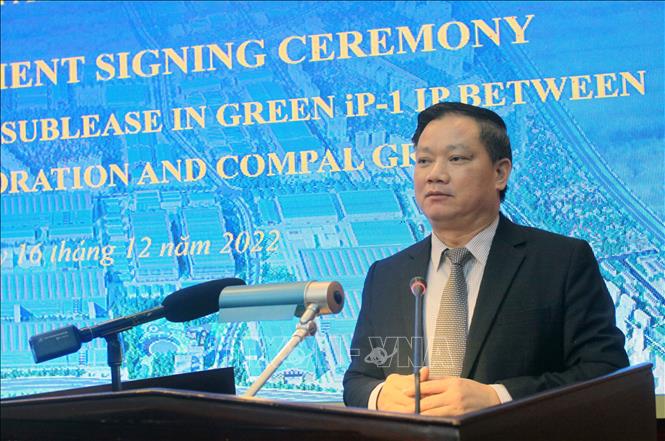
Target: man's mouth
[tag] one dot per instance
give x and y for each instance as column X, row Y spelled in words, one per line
column 437, row 194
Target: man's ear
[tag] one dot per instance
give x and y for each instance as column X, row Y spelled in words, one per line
column 502, row 168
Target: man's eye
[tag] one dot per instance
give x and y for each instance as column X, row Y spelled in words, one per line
column 457, row 158
column 422, row 160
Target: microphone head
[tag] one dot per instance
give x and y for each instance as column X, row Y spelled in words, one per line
column 418, row 286
column 196, row 301
column 328, row 295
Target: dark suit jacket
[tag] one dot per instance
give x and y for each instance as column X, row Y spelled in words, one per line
column 543, row 318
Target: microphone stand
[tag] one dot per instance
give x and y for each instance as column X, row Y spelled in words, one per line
column 417, row 350
column 305, row 327
column 111, row 330
column 114, row 360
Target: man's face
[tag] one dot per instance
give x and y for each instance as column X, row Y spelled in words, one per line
column 457, row 185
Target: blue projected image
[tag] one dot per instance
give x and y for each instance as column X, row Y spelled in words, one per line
column 314, row 187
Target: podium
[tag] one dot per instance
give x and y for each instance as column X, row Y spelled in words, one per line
column 616, row 407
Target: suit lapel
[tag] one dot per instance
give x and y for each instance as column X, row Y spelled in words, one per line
column 503, row 261
column 415, row 265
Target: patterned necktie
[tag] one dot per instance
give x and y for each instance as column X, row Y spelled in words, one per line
column 449, row 343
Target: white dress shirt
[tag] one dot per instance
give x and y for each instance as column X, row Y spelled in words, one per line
column 437, row 276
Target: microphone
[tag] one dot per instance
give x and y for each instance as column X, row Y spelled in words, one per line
column 183, row 305
column 418, row 286
column 196, row 301
column 279, row 301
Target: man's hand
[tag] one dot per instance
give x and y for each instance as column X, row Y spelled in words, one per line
column 393, row 397
column 449, row 396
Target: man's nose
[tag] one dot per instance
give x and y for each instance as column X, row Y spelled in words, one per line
column 438, row 172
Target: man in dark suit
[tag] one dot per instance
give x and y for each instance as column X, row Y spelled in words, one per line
column 509, row 310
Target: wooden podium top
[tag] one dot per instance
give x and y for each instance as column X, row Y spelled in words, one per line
column 618, row 407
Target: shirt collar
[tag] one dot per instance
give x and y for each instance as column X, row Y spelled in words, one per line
column 479, row 245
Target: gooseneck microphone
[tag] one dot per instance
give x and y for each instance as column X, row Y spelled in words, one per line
column 281, row 301
column 183, row 305
column 418, row 286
